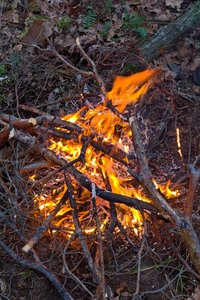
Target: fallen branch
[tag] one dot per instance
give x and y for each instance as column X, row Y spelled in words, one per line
column 182, row 224
column 170, row 34
column 98, row 78
column 38, row 267
column 194, row 176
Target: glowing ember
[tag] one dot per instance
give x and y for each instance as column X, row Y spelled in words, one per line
column 105, row 126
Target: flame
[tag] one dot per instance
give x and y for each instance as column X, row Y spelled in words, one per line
column 178, row 142
column 166, row 190
column 107, row 127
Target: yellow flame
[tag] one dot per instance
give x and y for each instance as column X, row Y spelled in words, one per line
column 106, row 127
column 178, row 142
column 166, row 190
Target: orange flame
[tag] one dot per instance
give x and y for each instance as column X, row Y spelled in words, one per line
column 166, row 190
column 102, row 123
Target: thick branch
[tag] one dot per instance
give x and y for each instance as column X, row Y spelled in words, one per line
column 185, row 226
column 171, row 33
column 189, row 202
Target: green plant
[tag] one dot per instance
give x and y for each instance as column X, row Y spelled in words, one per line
column 108, row 4
column 90, row 19
column 24, row 276
column 4, row 79
column 15, row 59
column 130, row 69
column 134, row 22
column 64, row 23
column 3, row 70
column 107, row 26
column 34, row 6
column 179, row 284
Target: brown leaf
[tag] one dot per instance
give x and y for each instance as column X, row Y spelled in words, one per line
column 195, row 63
column 120, row 289
column 63, row 41
column 4, row 134
column 37, row 33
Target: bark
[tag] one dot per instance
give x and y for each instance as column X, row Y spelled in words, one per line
column 183, row 225
column 170, row 34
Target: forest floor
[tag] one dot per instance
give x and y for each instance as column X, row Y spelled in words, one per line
column 110, row 32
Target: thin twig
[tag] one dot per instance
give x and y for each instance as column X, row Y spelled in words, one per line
column 140, row 254
column 78, row 229
column 100, row 241
column 98, row 78
column 67, row 64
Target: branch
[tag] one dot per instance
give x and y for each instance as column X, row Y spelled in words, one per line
column 190, row 198
column 82, row 180
column 53, row 50
column 45, row 225
column 98, row 78
column 38, row 267
column 184, row 225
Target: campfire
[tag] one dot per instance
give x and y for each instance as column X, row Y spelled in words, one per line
column 95, row 180
column 101, row 124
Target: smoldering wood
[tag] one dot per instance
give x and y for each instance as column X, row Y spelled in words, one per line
column 45, row 225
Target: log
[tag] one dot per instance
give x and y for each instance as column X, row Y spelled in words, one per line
column 170, row 34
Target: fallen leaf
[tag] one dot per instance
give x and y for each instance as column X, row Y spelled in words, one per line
column 11, row 134
column 174, row 4
column 17, row 48
column 195, row 64
column 37, row 33
column 120, row 289
column 32, row 121
column 15, row 16
column 63, row 41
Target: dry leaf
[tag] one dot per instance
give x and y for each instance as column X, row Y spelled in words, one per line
column 37, row 33
column 174, row 4
column 63, row 41
column 15, row 16
column 122, row 286
column 196, row 295
column 11, row 134
column 17, row 48
column 195, row 64
column 32, row 121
